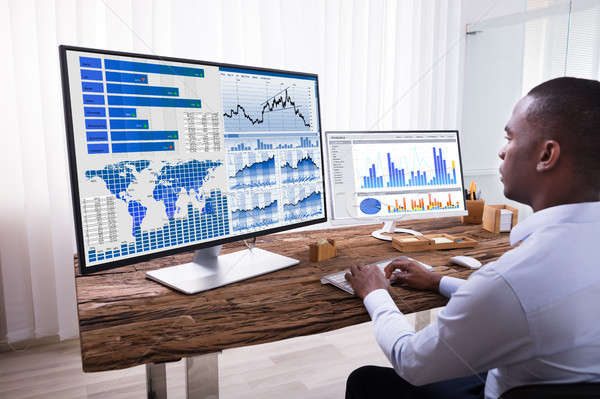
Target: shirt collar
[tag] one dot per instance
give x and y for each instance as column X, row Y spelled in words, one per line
column 575, row 213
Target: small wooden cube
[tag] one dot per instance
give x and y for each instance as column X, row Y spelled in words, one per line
column 491, row 217
column 410, row 243
column 322, row 249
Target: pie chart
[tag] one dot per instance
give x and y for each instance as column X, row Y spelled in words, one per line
column 370, row 206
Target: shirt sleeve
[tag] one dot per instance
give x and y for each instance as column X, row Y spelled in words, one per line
column 482, row 327
column 449, row 285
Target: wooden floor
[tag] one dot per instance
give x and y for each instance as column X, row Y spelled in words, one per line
column 306, row 367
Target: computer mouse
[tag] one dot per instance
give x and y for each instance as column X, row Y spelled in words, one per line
column 465, row 261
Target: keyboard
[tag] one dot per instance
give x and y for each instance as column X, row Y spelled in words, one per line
column 338, row 279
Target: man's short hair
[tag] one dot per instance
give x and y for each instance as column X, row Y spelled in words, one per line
column 568, row 110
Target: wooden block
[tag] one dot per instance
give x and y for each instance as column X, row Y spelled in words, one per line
column 410, row 243
column 465, row 242
column 455, row 242
column 442, row 245
column 491, row 217
column 475, row 209
column 322, row 249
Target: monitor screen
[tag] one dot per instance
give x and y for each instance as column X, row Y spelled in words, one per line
column 395, row 174
column 168, row 154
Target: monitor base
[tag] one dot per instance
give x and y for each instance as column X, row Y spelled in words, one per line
column 210, row 270
column 390, row 227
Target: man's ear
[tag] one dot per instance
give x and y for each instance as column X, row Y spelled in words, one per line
column 549, row 155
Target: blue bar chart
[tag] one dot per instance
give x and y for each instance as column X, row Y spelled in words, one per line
column 122, row 112
column 132, row 135
column 132, row 66
column 126, row 77
column 132, row 88
column 441, row 173
column 249, row 142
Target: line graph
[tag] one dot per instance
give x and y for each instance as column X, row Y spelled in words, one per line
column 254, row 210
column 251, row 170
column 302, row 202
column 267, row 104
column 300, row 166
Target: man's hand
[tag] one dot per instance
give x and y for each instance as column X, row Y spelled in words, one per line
column 413, row 275
column 365, row 279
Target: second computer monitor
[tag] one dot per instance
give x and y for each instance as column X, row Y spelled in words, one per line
column 395, row 174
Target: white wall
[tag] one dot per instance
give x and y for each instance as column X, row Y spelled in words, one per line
column 491, row 85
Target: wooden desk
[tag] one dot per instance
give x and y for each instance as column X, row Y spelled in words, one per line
column 126, row 320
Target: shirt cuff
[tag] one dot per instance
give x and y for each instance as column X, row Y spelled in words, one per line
column 378, row 299
column 449, row 285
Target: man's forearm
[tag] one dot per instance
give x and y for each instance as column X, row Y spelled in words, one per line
column 448, row 285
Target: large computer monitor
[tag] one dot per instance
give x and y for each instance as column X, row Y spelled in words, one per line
column 393, row 175
column 168, row 155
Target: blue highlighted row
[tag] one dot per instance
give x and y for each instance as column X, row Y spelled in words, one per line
column 116, row 123
column 93, row 99
column 147, row 90
column 145, row 135
column 153, row 68
column 126, row 77
column 90, row 62
column 102, row 148
column 92, row 86
column 91, row 74
column 143, row 147
column 129, row 124
column 95, row 124
column 153, row 102
column 122, row 112
column 97, row 148
column 97, row 136
column 94, row 111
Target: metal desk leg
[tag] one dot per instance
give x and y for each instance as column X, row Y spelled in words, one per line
column 156, row 381
column 202, row 376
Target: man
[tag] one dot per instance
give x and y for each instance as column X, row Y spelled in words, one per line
column 530, row 317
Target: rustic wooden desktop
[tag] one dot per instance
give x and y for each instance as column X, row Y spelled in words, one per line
column 127, row 320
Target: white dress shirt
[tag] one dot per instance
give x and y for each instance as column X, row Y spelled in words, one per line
column 531, row 317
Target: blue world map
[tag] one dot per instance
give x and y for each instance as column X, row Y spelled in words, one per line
column 170, row 182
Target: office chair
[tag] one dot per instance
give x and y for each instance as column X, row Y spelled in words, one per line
column 554, row 391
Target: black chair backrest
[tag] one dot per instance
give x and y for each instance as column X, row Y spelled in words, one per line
column 554, row 391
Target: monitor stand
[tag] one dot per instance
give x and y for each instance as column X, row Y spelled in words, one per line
column 390, row 227
column 210, row 270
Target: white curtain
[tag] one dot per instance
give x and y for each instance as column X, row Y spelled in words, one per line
column 382, row 64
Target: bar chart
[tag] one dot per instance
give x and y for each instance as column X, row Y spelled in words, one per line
column 397, row 204
column 390, row 171
column 239, row 142
column 121, row 91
